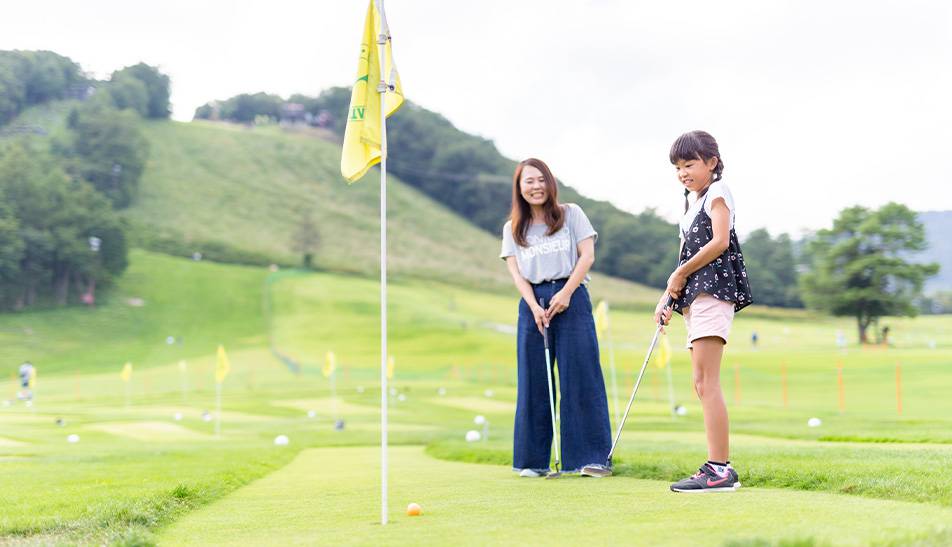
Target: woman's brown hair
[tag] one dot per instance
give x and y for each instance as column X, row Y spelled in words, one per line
column 521, row 214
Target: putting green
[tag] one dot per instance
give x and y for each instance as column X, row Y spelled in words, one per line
column 477, row 404
column 330, row 496
column 150, row 431
column 325, row 407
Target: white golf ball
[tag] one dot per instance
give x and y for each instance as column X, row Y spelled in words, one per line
column 479, row 420
column 472, row 436
column 311, row 414
column 680, row 410
column 393, row 392
column 401, row 397
column 814, row 422
column 488, row 393
column 360, row 389
column 281, row 440
column 206, row 416
column 441, row 392
column 28, row 403
column 177, row 416
column 73, row 438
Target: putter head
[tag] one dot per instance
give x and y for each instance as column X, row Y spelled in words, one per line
column 596, row 470
column 553, row 475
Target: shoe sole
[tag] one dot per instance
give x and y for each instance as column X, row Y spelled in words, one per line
column 733, row 488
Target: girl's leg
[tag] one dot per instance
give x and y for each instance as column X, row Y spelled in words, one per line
column 706, row 363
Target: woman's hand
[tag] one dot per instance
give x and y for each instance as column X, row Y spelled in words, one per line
column 538, row 313
column 558, row 304
column 676, row 283
column 662, row 314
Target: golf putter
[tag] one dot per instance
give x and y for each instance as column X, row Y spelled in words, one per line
column 595, row 471
column 548, row 375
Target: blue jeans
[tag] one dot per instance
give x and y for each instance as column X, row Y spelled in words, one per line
column 583, row 408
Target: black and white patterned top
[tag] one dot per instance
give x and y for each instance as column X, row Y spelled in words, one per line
column 725, row 278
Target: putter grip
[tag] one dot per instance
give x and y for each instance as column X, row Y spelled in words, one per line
column 667, row 304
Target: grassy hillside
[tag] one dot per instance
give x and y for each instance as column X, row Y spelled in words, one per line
column 247, row 188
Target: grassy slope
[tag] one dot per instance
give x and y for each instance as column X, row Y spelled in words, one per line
column 246, row 187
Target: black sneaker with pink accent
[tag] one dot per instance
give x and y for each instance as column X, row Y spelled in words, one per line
column 708, row 480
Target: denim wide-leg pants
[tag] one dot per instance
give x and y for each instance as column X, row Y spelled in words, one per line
column 583, row 405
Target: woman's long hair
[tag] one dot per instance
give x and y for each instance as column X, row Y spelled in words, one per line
column 521, row 213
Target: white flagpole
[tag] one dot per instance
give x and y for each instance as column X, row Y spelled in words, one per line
column 382, row 38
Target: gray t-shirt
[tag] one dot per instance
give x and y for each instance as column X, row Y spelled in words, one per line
column 549, row 257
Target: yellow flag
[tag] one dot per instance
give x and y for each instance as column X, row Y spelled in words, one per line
column 222, row 366
column 601, row 319
column 390, row 365
column 663, row 355
column 32, row 382
column 362, row 136
column 330, row 365
column 126, row 372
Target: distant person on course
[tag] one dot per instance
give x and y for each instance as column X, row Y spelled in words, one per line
column 708, row 287
column 549, row 248
column 26, row 381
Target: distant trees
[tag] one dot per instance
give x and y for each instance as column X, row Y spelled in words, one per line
column 59, row 238
column 123, row 84
column 859, row 268
column 32, row 77
column 774, row 269
column 106, row 148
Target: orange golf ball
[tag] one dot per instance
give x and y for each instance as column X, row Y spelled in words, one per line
column 414, row 510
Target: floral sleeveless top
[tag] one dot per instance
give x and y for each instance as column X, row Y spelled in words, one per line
column 725, row 278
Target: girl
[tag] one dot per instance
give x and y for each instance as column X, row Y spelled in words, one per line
column 708, row 287
column 549, row 249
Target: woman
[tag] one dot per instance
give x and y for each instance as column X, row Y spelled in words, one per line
column 549, row 249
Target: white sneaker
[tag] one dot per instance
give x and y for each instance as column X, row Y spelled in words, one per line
column 530, row 473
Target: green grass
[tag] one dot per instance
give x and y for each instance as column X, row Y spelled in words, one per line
column 306, row 502
column 137, row 472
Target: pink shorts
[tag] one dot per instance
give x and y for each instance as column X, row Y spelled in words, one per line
column 708, row 316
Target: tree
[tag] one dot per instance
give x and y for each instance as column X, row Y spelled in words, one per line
column 859, row 268
column 128, row 92
column 306, row 238
column 156, row 84
column 774, row 269
column 107, row 149
column 69, row 237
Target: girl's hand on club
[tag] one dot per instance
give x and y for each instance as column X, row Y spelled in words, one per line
column 558, row 304
column 676, row 283
column 540, row 319
column 662, row 314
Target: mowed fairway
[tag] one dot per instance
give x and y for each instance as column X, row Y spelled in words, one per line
column 155, row 472
column 312, row 500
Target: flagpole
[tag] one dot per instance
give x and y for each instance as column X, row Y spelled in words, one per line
column 382, row 90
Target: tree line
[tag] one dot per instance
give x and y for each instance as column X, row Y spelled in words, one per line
column 856, row 268
column 469, row 175
column 61, row 236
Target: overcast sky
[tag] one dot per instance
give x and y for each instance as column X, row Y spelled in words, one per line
column 817, row 104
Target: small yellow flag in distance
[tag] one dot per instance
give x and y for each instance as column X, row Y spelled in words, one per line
column 363, row 135
column 126, row 372
column 222, row 366
column 390, row 365
column 330, row 364
column 663, row 355
column 601, row 319
column 32, row 382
